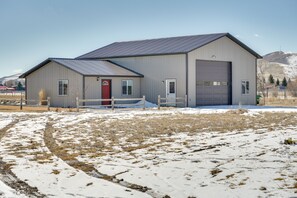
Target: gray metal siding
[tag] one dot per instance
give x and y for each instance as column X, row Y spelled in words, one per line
column 47, row 78
column 156, row 70
column 93, row 87
column 243, row 68
column 213, row 83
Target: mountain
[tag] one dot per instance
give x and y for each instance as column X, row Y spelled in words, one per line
column 279, row 64
column 12, row 80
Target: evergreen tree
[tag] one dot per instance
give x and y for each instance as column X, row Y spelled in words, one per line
column 289, row 81
column 271, row 79
column 20, row 86
column 284, row 82
column 277, row 82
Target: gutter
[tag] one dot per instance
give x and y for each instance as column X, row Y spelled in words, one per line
column 187, row 76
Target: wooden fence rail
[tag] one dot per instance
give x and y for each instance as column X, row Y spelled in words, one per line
column 112, row 101
column 176, row 101
column 23, row 102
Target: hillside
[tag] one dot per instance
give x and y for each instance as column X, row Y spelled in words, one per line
column 12, row 80
column 279, row 64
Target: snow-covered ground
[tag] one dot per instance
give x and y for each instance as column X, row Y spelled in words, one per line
column 180, row 163
column 291, row 69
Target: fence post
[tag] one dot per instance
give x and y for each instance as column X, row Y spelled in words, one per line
column 143, row 99
column 112, row 103
column 77, row 104
column 48, row 103
column 21, row 105
column 186, row 100
column 159, row 101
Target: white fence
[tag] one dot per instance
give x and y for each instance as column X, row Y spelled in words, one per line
column 124, row 102
column 172, row 101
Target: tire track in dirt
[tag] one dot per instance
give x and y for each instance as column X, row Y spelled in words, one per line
column 88, row 168
column 9, row 178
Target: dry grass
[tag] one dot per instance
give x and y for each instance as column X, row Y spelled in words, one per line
column 230, row 176
column 97, row 137
column 10, row 108
column 10, row 96
column 56, row 172
column 137, row 133
column 279, row 102
column 215, row 172
column 279, row 179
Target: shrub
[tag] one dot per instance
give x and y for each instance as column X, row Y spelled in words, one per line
column 42, row 96
column 292, row 88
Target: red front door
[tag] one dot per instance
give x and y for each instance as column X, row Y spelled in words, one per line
column 106, row 91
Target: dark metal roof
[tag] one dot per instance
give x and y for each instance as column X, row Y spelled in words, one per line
column 89, row 68
column 162, row 46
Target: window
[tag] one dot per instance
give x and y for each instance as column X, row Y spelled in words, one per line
column 215, row 83
column 172, row 87
column 245, row 87
column 199, row 83
column 224, row 83
column 127, row 86
column 63, row 87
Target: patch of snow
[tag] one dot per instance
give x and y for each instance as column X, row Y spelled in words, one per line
column 5, row 121
column 7, row 192
column 54, row 177
column 138, row 104
column 248, row 159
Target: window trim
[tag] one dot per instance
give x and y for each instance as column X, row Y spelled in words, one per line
column 127, row 89
column 67, row 91
column 246, row 91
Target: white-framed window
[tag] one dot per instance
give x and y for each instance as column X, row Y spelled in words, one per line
column 245, row 87
column 127, row 87
column 63, row 87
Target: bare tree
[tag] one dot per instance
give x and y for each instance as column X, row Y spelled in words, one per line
column 261, row 83
column 292, row 88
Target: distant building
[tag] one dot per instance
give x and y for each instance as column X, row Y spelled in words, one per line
column 3, row 88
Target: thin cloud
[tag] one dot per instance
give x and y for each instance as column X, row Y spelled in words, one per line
column 256, row 35
column 17, row 71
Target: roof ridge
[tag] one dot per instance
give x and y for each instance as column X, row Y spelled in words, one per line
column 173, row 37
column 53, row 59
column 159, row 46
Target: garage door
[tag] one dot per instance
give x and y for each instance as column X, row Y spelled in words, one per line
column 213, row 83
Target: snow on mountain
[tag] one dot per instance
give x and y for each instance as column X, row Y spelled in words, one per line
column 279, row 64
column 12, row 80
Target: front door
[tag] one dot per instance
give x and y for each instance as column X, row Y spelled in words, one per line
column 171, row 91
column 106, row 91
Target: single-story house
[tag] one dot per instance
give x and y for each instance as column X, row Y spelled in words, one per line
column 211, row 69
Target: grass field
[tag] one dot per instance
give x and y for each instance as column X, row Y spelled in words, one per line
column 280, row 102
column 136, row 153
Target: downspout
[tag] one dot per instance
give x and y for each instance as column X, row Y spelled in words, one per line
column 187, row 76
column 84, row 89
column 256, row 81
column 26, row 90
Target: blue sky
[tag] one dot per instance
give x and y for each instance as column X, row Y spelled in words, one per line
column 34, row 30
